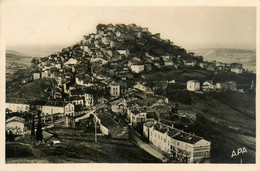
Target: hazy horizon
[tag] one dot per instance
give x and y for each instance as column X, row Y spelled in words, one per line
column 45, row 50
column 50, row 28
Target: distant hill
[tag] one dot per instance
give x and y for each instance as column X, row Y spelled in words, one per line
column 14, row 55
column 36, row 50
column 16, row 61
column 245, row 56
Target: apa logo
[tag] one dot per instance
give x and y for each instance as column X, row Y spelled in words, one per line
column 238, row 152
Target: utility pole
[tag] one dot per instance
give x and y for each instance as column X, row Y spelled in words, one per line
column 44, row 118
column 95, row 129
column 52, row 115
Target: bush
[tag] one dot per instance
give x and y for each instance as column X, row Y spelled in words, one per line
column 17, row 150
column 179, row 96
column 244, row 78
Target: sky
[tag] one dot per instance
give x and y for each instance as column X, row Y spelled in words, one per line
column 52, row 26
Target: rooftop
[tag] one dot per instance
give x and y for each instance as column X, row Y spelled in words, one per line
column 108, row 122
column 195, row 81
column 46, row 135
column 15, row 118
column 149, row 123
column 161, row 128
column 177, row 134
column 187, row 137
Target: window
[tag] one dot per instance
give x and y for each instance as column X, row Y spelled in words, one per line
column 199, row 154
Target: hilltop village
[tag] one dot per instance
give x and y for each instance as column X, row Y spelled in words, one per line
column 124, row 79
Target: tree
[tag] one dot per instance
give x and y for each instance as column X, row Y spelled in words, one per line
column 33, row 61
column 11, row 136
column 33, row 110
column 39, row 136
column 6, row 136
column 32, row 128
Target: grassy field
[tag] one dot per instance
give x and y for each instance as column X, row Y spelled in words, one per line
column 179, row 75
column 33, row 89
column 79, row 147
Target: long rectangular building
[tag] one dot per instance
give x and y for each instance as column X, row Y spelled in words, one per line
column 17, row 107
column 46, row 109
column 184, row 146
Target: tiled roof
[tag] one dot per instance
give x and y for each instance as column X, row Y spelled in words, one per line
column 15, row 118
column 161, row 128
column 149, row 123
column 195, row 81
column 177, row 134
column 103, row 114
column 188, row 138
column 172, row 132
column 108, row 122
column 106, row 119
column 46, row 135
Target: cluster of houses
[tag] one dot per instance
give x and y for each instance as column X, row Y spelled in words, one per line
column 86, row 71
column 81, row 67
column 143, row 110
column 216, row 66
column 140, row 104
column 103, row 117
column 100, row 56
column 107, row 45
column 194, row 85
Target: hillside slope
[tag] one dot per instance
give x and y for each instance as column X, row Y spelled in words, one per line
column 227, row 120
